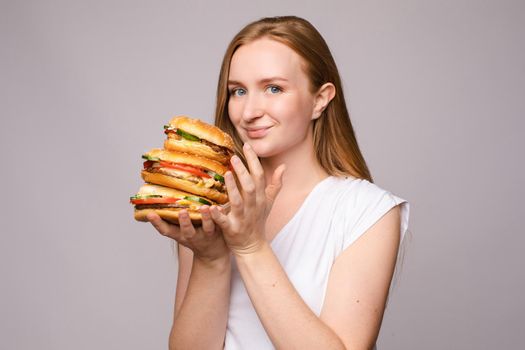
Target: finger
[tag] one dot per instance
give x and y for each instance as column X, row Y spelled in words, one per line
column 236, row 201
column 160, row 225
column 276, row 183
column 186, row 227
column 208, row 226
column 225, row 208
column 246, row 182
column 256, row 169
column 219, row 218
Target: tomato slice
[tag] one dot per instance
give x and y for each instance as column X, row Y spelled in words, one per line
column 148, row 164
column 188, row 168
column 163, row 200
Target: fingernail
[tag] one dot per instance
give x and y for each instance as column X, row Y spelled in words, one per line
column 247, row 146
column 235, row 159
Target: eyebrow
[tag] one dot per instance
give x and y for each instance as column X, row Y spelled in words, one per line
column 262, row 81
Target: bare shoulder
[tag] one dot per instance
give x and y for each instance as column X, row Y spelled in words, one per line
column 359, row 282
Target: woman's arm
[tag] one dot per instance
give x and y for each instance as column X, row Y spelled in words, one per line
column 359, row 283
column 288, row 321
column 355, row 298
column 203, row 283
column 201, row 311
column 185, row 262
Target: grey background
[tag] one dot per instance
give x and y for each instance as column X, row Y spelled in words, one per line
column 436, row 92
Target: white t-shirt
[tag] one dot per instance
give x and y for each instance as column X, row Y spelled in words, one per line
column 336, row 212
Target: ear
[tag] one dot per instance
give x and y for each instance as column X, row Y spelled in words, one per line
column 324, row 95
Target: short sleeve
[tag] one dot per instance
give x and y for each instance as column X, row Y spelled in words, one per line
column 365, row 207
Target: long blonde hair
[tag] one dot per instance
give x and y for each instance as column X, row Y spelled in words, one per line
column 334, row 140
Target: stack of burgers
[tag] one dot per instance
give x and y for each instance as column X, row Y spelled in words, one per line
column 187, row 173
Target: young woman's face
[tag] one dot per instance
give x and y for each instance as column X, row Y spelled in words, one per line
column 270, row 103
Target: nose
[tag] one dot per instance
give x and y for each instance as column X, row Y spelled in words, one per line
column 253, row 108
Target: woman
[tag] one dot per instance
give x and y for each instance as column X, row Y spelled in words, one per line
column 305, row 257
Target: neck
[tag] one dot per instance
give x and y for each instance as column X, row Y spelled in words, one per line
column 303, row 171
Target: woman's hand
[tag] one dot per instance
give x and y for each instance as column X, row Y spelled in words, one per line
column 243, row 228
column 205, row 241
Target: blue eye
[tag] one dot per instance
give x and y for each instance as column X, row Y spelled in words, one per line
column 238, row 92
column 274, row 89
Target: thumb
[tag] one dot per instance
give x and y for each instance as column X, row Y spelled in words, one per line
column 272, row 190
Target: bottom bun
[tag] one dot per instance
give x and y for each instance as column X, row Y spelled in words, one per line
column 170, row 215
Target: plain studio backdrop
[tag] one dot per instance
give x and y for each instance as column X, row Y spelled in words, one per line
column 436, row 91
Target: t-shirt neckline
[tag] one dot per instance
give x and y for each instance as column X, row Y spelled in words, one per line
column 302, row 207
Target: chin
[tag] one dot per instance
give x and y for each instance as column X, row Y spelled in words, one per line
column 264, row 149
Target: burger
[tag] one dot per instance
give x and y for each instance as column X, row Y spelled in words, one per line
column 186, row 172
column 194, row 136
column 167, row 203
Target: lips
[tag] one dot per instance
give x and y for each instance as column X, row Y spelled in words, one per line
column 257, row 132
